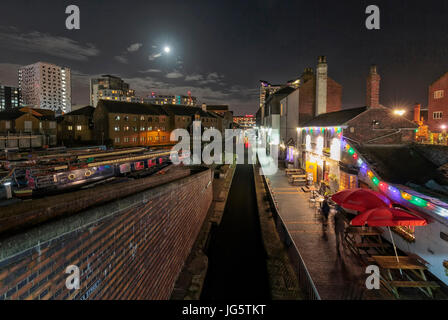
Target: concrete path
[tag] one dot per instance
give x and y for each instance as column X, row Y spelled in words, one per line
column 335, row 277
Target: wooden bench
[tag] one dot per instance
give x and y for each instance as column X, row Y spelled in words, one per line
column 297, row 178
column 288, row 171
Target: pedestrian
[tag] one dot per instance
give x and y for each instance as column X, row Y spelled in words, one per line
column 325, row 208
column 339, row 230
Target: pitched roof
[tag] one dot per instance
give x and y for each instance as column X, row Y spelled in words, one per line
column 218, row 107
column 187, row 111
column 132, row 107
column 401, row 164
column 85, row 111
column 337, row 118
column 11, row 115
column 283, row 92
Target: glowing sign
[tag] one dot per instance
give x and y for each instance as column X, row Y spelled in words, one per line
column 335, row 149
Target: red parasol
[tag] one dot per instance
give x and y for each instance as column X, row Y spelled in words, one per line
column 361, row 199
column 387, row 217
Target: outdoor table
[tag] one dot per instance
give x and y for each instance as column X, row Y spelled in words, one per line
column 410, row 264
column 364, row 238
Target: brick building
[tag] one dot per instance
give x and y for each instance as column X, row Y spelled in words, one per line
column 320, row 139
column 76, row 126
column 182, row 117
column 438, row 104
column 25, row 127
column 127, row 124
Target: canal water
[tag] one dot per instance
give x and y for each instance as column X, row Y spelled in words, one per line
column 237, row 259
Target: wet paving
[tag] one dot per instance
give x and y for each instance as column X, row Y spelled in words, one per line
column 237, row 259
column 335, row 276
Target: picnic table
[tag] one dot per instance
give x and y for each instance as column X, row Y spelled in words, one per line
column 413, row 271
column 294, row 178
column 364, row 239
column 293, row 171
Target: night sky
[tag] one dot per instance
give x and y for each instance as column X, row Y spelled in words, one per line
column 220, row 49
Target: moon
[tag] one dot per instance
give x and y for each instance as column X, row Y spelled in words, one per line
column 167, row 49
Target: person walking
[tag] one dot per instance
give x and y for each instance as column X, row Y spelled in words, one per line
column 325, row 208
column 339, row 230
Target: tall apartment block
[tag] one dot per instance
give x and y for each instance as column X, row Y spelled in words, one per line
column 9, row 98
column 46, row 86
column 110, row 88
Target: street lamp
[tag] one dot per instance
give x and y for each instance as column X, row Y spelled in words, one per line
column 399, row 112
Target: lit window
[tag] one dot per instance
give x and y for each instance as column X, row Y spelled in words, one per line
column 117, row 128
column 437, row 115
column 439, row 94
column 70, row 128
column 117, row 118
column 79, row 128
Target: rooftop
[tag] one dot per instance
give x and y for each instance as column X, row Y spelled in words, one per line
column 85, row 111
column 332, row 119
column 132, row 107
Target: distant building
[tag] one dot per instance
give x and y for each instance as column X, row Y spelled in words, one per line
column 224, row 115
column 180, row 100
column 438, row 104
column 182, row 117
column 46, row 86
column 126, row 124
column 110, row 88
column 247, row 121
column 76, row 127
column 9, row 98
column 25, row 127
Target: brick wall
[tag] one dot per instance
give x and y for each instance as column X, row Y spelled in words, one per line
column 132, row 248
column 334, row 96
column 438, row 105
column 307, row 99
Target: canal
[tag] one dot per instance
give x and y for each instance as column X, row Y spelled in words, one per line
column 237, row 258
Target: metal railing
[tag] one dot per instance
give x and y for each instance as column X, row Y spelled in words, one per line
column 305, row 281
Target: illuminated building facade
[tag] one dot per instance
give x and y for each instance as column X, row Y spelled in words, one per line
column 180, row 100
column 110, row 88
column 438, row 105
column 9, row 98
column 46, row 86
column 247, row 121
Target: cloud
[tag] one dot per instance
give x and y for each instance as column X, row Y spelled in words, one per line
column 211, row 78
column 134, row 47
column 151, row 71
column 241, row 98
column 194, row 77
column 154, row 56
column 174, row 75
column 39, row 42
column 121, row 59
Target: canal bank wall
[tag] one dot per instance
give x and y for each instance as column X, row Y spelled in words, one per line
column 128, row 248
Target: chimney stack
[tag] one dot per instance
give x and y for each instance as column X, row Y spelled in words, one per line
column 417, row 109
column 321, row 85
column 373, row 88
